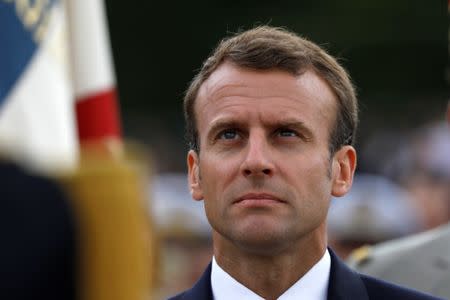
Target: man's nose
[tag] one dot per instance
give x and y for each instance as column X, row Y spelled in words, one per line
column 258, row 159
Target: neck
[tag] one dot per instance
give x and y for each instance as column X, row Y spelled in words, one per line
column 269, row 275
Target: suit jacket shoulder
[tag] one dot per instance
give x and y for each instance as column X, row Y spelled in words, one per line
column 378, row 289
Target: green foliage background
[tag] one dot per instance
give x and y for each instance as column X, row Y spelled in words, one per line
column 396, row 52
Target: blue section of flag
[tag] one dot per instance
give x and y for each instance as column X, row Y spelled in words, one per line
column 16, row 46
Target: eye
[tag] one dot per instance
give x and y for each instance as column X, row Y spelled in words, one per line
column 228, row 134
column 285, row 132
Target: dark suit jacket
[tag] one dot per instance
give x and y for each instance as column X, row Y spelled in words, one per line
column 37, row 238
column 344, row 284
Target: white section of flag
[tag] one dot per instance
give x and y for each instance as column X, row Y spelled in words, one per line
column 90, row 53
column 37, row 119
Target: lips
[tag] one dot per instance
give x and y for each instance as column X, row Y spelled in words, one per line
column 258, row 197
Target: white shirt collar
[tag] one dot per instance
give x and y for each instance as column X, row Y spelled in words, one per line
column 312, row 286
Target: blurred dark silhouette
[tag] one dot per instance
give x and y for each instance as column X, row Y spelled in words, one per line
column 37, row 253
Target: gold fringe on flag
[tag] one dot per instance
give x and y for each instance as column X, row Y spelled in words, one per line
column 117, row 252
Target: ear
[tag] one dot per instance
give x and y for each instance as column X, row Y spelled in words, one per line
column 343, row 169
column 194, row 175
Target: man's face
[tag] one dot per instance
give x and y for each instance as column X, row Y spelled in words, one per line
column 264, row 169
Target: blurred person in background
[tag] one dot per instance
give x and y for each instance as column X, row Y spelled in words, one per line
column 419, row 161
column 420, row 261
column 271, row 119
column 38, row 238
column 429, row 177
column 184, row 234
column 375, row 210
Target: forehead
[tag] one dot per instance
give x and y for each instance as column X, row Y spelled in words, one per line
column 230, row 87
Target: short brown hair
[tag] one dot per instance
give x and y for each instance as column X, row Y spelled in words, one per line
column 264, row 48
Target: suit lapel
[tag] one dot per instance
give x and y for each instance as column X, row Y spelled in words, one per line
column 344, row 283
column 202, row 289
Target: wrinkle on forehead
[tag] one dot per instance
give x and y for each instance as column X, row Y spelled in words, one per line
column 229, row 79
column 230, row 82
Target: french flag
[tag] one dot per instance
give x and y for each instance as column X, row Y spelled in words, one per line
column 57, row 85
column 36, row 101
column 93, row 76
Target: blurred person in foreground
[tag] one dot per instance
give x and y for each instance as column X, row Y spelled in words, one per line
column 375, row 210
column 37, row 229
column 421, row 261
column 271, row 119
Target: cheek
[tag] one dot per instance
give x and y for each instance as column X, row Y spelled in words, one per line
column 312, row 181
column 309, row 170
column 217, row 175
column 218, row 183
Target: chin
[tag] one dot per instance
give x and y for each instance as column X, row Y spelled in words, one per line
column 261, row 241
column 262, row 247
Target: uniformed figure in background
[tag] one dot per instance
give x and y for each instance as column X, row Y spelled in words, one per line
column 374, row 211
column 421, row 261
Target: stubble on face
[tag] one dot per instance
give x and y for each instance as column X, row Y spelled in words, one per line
column 304, row 191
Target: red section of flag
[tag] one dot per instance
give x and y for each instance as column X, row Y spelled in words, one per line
column 98, row 116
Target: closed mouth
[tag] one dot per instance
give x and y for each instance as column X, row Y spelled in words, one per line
column 258, row 196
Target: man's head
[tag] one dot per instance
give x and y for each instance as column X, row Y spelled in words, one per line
column 263, row 113
column 265, row 48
